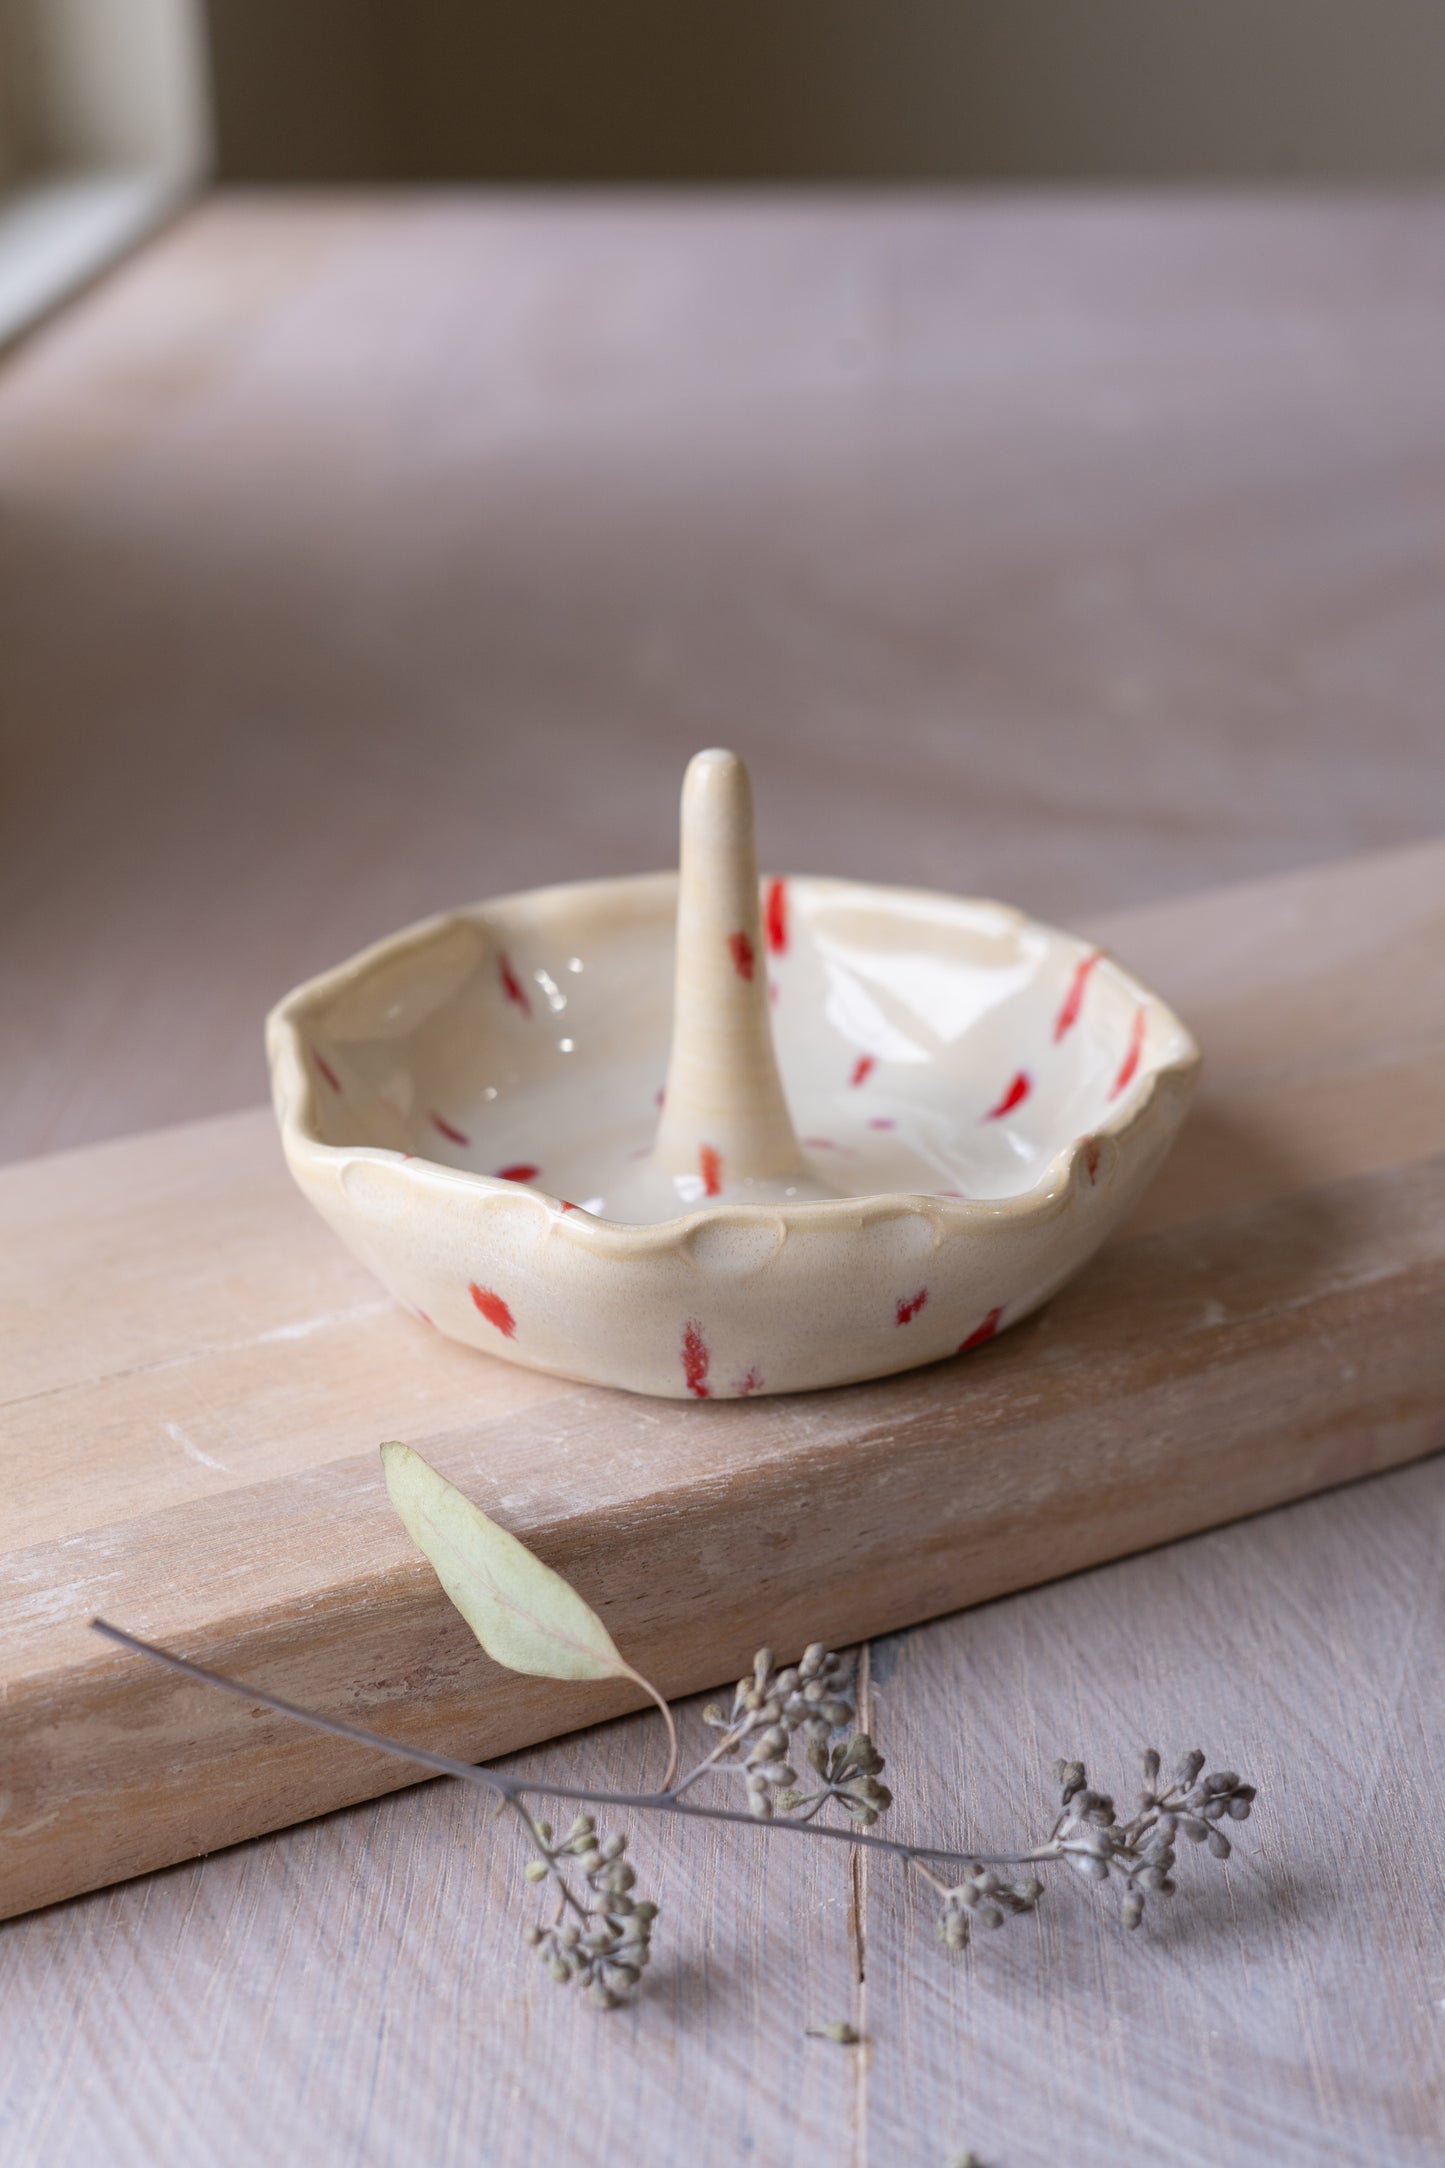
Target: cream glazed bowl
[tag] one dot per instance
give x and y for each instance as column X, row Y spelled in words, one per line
column 705, row 1136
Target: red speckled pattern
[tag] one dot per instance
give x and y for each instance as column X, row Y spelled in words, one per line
column 512, row 986
column 1068, row 1015
column 494, row 1310
column 695, row 1360
column 777, row 917
column 1015, row 1096
column 1130, row 1067
column 982, row 1332
column 741, row 950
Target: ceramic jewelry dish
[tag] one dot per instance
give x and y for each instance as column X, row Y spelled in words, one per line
column 874, row 1126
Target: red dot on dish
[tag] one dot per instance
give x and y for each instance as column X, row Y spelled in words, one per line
column 907, row 1311
column 982, row 1332
column 326, row 1070
column 752, row 1383
column 1015, row 1096
column 1091, row 1158
column 512, row 986
column 448, row 1130
column 1130, row 1067
column 863, row 1068
column 743, row 958
column 777, row 917
column 881, row 1121
column 1073, row 1001
column 494, row 1310
column 710, row 1162
column 520, row 1173
column 695, row 1360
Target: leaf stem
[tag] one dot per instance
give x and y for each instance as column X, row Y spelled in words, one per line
column 668, row 1719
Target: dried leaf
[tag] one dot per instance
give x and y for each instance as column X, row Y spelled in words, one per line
column 525, row 1615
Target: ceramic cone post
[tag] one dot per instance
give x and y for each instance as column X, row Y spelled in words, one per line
column 724, row 1118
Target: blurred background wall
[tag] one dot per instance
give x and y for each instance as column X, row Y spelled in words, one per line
column 105, row 127
column 646, row 90
column 116, row 84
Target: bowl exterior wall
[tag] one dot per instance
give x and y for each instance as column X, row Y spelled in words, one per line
column 734, row 1299
column 726, row 1301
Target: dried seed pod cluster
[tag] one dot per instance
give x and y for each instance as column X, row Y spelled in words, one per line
column 983, row 1899
column 772, row 1709
column 1090, row 1837
column 1097, row 1844
column 850, row 1776
column 600, row 1942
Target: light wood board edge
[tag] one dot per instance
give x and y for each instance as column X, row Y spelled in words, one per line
column 1130, row 1413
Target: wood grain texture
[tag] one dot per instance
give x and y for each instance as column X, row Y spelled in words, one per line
column 358, row 557
column 361, row 556
column 1270, row 1325
column 1285, row 2010
column 356, row 1991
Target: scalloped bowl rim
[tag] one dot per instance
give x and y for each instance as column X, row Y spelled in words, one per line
column 295, row 1096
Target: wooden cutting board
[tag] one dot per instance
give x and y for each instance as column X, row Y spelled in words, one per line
column 196, row 1376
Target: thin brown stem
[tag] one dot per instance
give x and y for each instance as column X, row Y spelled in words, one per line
column 731, row 1740
column 512, row 1788
column 565, row 1896
column 814, row 1803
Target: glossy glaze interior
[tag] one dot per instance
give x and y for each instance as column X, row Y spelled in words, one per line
column 929, row 1045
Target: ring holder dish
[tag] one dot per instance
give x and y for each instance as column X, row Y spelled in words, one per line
column 708, row 1136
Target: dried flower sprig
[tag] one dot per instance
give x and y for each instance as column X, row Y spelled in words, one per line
column 602, row 1941
column 599, row 1937
column 1097, row 1845
column 770, row 1711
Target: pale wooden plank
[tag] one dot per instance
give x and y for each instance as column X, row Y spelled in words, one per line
column 1072, row 1448
column 1318, row 997
column 355, row 1991
column 179, row 1325
column 1283, row 2008
column 375, row 2003
column 214, row 1509
column 363, row 557
column 1305, row 990
column 1124, row 517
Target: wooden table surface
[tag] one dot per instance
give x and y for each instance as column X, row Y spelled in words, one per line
column 360, row 555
